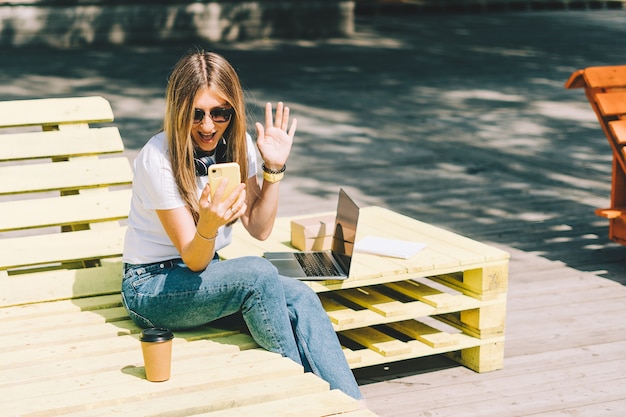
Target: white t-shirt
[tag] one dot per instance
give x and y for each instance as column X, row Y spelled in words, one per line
column 154, row 188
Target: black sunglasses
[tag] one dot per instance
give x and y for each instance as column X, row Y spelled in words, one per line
column 219, row 115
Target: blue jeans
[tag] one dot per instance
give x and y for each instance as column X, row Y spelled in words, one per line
column 283, row 314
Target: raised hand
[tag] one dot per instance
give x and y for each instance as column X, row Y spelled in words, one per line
column 274, row 140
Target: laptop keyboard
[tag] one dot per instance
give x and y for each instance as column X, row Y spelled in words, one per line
column 317, row 264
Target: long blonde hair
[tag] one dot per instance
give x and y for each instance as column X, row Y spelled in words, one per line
column 194, row 71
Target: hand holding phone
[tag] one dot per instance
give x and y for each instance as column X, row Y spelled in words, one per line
column 217, row 172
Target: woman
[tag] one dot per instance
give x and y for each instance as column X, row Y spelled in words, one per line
column 172, row 274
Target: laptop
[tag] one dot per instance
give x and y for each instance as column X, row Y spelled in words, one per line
column 333, row 264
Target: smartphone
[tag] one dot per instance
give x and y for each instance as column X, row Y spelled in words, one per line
column 229, row 170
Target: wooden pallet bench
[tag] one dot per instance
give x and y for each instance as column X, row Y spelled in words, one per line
column 605, row 88
column 67, row 346
column 449, row 299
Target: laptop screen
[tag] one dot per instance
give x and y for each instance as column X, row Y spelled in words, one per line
column 345, row 230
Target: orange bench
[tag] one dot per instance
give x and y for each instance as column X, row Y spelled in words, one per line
column 605, row 88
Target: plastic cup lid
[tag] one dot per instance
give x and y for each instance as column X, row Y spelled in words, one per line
column 156, row 335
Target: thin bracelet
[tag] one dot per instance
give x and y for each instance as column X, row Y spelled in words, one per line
column 208, row 239
column 273, row 171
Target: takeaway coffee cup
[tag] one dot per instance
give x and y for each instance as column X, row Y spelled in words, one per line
column 156, row 346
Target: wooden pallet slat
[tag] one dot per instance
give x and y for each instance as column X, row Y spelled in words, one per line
column 220, row 398
column 82, row 172
column 426, row 334
column 69, row 320
column 426, row 294
column 61, row 247
column 107, row 205
column 61, row 284
column 101, row 361
column 54, row 111
column 316, row 404
column 375, row 301
column 338, row 313
column 60, row 144
column 377, row 341
column 120, row 386
column 57, row 308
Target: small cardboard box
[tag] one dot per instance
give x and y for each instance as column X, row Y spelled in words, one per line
column 313, row 233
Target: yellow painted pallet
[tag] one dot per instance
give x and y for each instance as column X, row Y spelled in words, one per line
column 449, row 298
column 67, row 346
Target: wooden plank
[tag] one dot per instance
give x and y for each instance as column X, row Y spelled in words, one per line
column 618, row 128
column 601, row 409
column 605, row 76
column 573, row 389
column 523, row 376
column 612, row 103
column 377, row 341
column 52, row 308
column 66, row 247
column 54, row 111
column 60, row 284
column 104, row 205
column 522, row 369
column 345, row 318
column 219, row 398
column 373, row 300
column 60, row 144
column 82, row 172
column 62, row 350
column 313, row 405
column 425, row 333
column 426, row 294
column 70, row 334
column 45, row 369
column 417, row 349
column 128, row 383
column 338, row 313
column 352, row 357
column 73, row 319
column 90, row 326
column 358, row 413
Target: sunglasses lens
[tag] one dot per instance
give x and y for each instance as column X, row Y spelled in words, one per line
column 217, row 115
column 221, row 115
column 198, row 115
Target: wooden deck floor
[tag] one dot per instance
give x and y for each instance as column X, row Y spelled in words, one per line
column 458, row 120
column 565, row 355
column 497, row 150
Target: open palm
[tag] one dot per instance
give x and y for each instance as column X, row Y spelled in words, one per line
column 274, row 140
